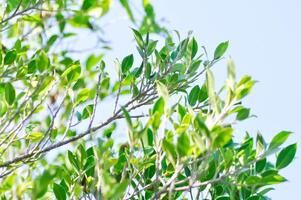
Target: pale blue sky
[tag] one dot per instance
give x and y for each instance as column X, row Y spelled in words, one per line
column 265, row 42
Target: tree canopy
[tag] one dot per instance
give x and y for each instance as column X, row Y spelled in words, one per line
column 63, row 110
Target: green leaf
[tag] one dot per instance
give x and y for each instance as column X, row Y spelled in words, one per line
column 1, row 58
column 151, row 47
column 73, row 160
column 203, row 94
column 82, row 96
column 10, row 93
column 221, row 136
column 159, row 106
column 243, row 114
column 253, row 180
column 162, row 91
column 279, row 139
column 260, row 164
column 42, row 61
column 286, row 156
column 72, row 73
column 87, row 112
column 194, row 48
column 194, row 95
column 272, row 179
column 127, row 7
column 3, row 108
column 211, row 89
column 183, row 144
column 10, row 57
column 169, row 148
column 220, row 50
column 127, row 63
column 127, row 117
column 35, row 136
column 59, row 192
column 93, row 60
column 138, row 38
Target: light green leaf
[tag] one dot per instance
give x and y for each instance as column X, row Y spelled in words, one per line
column 93, row 60
column 82, row 96
column 162, row 91
column 279, row 139
column 272, row 179
column 211, row 90
column 183, row 144
column 35, row 136
column 72, row 73
column 169, row 148
column 42, row 61
column 159, row 106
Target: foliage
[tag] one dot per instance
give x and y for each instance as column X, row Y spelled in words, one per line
column 180, row 129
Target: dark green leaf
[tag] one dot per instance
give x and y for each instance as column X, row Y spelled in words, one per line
column 59, row 192
column 10, row 93
column 243, row 114
column 138, row 38
column 286, row 156
column 220, row 50
column 127, row 63
column 10, row 57
column 194, row 48
column 194, row 95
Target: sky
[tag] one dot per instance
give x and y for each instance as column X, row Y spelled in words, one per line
column 265, row 43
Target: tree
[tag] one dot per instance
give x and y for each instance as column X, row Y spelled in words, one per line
column 179, row 131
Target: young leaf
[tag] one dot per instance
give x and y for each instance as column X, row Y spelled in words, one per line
column 279, row 139
column 93, row 60
column 127, row 63
column 42, row 61
column 162, row 91
column 83, row 95
column 286, row 156
column 10, row 93
column 72, row 73
column 220, row 50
